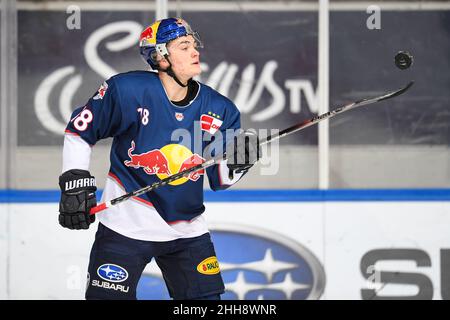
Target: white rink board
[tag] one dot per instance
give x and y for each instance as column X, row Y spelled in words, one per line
column 4, row 207
column 300, row 221
column 49, row 262
column 353, row 229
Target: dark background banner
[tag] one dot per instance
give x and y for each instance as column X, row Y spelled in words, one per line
column 264, row 61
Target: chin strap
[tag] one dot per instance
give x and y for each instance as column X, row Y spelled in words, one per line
column 170, row 72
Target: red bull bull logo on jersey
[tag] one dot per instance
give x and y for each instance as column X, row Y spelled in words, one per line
column 168, row 160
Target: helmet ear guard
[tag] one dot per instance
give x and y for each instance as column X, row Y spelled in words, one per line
column 161, row 48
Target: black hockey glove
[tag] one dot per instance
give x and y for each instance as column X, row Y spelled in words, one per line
column 244, row 152
column 77, row 198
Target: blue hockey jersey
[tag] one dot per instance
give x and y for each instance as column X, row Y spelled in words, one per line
column 153, row 138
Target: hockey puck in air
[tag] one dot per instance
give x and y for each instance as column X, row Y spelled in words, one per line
column 403, row 60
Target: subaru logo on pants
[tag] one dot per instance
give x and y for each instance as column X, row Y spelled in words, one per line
column 112, row 273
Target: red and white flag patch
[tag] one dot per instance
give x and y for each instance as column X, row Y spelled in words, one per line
column 101, row 91
column 210, row 124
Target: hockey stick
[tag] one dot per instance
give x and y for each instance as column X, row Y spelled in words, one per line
column 279, row 135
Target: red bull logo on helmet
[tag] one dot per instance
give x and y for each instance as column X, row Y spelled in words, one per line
column 148, row 36
column 168, row 160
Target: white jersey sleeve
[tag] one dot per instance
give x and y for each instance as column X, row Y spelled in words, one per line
column 76, row 153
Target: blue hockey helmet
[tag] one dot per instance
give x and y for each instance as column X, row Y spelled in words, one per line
column 154, row 38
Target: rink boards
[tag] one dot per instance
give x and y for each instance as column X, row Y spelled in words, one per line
column 352, row 244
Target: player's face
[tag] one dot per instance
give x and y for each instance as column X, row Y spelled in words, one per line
column 184, row 56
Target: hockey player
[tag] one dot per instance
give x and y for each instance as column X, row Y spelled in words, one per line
column 143, row 111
